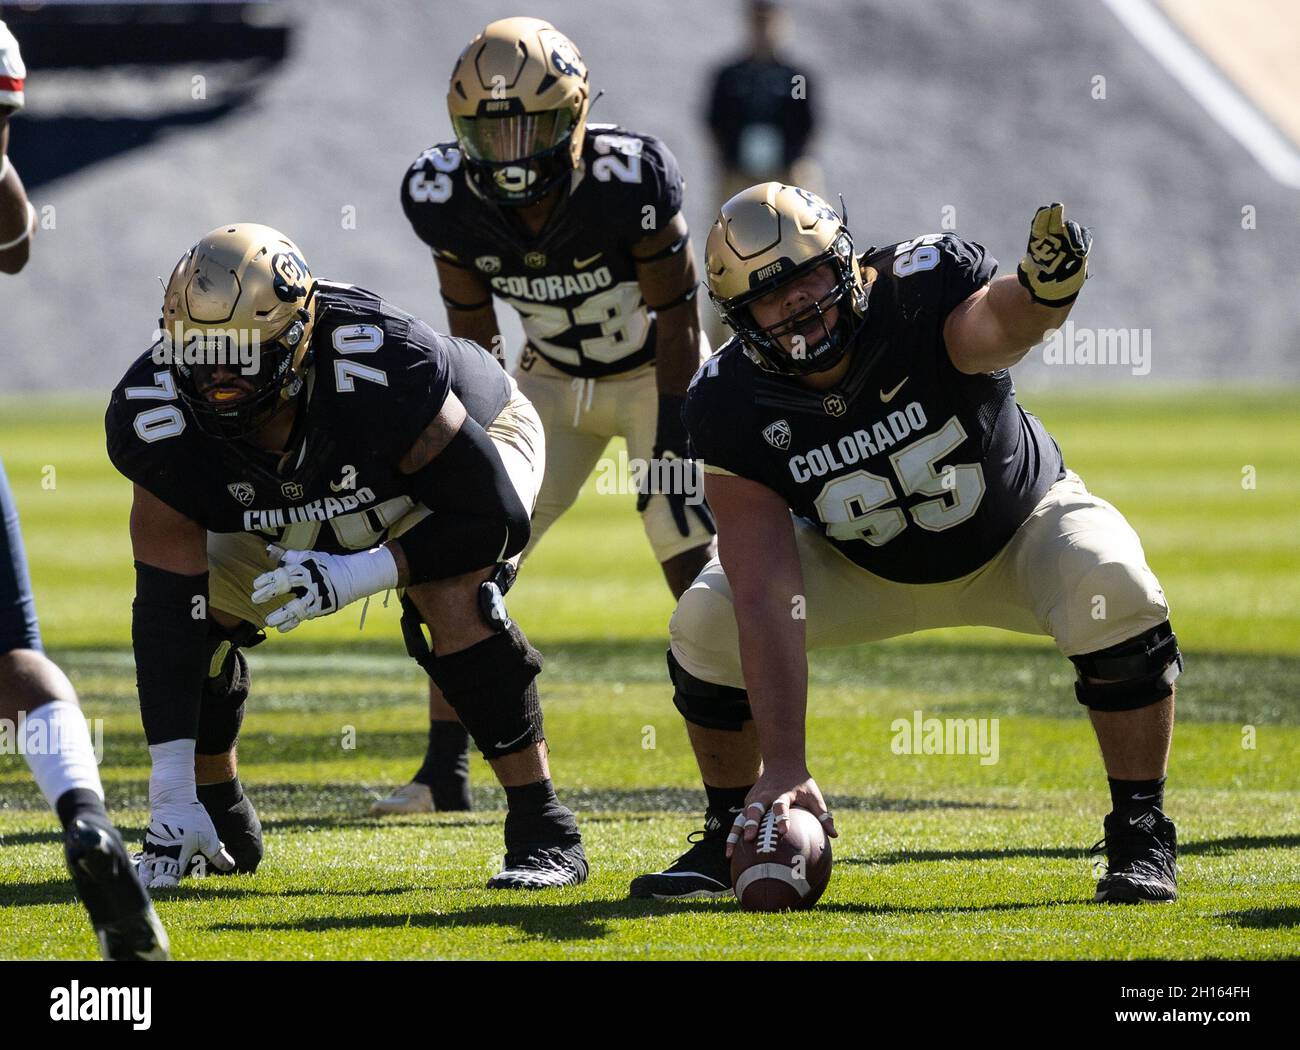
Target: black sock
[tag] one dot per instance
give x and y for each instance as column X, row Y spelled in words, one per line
column 76, row 802
column 217, row 798
column 236, row 822
column 445, row 770
column 1129, row 796
column 535, row 815
column 723, row 805
column 446, row 766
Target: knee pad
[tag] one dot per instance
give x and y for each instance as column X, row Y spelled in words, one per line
column 491, row 686
column 705, row 704
column 1139, row 672
column 225, row 689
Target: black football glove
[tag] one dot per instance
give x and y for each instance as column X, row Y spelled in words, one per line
column 1056, row 262
column 673, row 462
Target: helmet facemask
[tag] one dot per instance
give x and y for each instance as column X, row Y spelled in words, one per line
column 517, row 160
column 824, row 344
column 275, row 382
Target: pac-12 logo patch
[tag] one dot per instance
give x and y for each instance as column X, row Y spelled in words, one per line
column 242, row 491
column 489, row 263
column 777, row 434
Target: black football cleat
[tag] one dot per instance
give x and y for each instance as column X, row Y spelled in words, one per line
column 1141, row 859
column 702, row 871
column 119, row 907
column 541, row 867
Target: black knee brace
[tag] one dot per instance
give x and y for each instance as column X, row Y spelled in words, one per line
column 1139, row 672
column 705, row 704
column 490, row 685
column 225, row 689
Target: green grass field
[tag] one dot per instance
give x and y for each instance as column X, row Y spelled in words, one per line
column 939, row 856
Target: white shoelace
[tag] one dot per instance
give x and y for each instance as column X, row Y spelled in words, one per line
column 583, row 391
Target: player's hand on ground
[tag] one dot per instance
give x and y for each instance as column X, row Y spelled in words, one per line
column 778, row 789
column 1055, row 264
column 175, row 834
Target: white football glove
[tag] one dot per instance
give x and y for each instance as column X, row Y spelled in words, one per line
column 321, row 583
column 175, row 834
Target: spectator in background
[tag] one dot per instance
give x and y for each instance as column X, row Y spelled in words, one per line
column 760, row 114
column 761, row 119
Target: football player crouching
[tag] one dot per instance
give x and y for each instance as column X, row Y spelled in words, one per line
column 579, row 228
column 863, row 449
column 351, row 450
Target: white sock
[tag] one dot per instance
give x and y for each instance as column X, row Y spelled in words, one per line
column 56, row 741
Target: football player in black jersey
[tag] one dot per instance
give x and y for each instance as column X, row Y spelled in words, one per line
column 297, row 445
column 35, row 694
column 577, row 227
column 873, row 475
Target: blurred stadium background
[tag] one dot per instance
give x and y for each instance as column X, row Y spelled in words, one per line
column 985, row 109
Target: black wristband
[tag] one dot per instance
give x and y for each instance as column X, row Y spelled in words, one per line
column 169, row 631
column 478, row 519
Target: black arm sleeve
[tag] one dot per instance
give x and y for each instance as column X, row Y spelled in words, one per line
column 478, row 519
column 170, row 648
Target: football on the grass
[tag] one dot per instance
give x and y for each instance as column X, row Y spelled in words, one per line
column 780, row 872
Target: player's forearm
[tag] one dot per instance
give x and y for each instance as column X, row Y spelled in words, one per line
column 479, row 326
column 996, row 330
column 169, row 629
column 677, row 354
column 17, row 217
column 775, row 664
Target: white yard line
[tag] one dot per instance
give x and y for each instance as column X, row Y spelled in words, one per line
column 1217, row 95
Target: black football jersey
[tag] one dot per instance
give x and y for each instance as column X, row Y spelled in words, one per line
column 914, row 470
column 574, row 286
column 379, row 377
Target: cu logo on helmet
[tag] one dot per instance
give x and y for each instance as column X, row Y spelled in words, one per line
column 290, row 272
column 564, row 58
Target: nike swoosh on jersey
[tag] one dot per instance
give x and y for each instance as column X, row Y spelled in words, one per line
column 886, row 398
column 578, row 264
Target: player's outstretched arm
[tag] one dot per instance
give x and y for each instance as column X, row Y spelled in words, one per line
column 169, row 630
column 758, row 552
column 17, row 216
column 998, row 324
column 468, row 301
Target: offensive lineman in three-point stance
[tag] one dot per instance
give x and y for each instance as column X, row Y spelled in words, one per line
column 863, row 448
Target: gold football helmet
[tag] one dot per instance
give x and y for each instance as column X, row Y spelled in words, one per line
column 518, row 101
column 766, row 236
column 238, row 305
